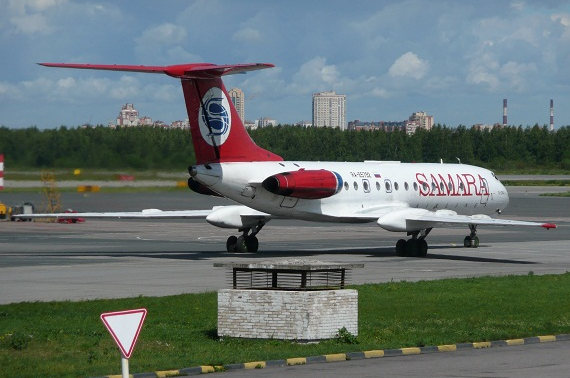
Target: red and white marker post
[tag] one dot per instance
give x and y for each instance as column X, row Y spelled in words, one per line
column 124, row 327
column 1, row 171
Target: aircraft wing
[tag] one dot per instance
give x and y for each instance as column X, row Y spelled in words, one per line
column 403, row 218
column 447, row 218
column 231, row 216
column 147, row 213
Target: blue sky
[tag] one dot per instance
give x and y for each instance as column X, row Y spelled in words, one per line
column 455, row 60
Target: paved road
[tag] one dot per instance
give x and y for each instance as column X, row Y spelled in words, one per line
column 528, row 361
column 103, row 259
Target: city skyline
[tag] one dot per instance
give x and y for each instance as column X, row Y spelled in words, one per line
column 457, row 60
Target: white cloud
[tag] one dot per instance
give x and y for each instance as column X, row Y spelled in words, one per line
column 482, row 71
column 409, row 65
column 21, row 6
column 66, row 83
column 164, row 43
column 487, row 71
column 30, row 24
column 564, row 20
column 379, row 92
column 516, row 74
column 29, row 16
column 518, row 5
column 247, row 34
column 168, row 34
column 315, row 75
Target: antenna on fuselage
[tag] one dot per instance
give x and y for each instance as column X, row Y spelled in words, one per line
column 458, row 160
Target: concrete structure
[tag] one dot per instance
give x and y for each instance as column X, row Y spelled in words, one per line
column 304, row 123
column 288, row 300
column 180, row 124
column 484, row 126
column 388, row 126
column 264, row 122
column 252, row 125
column 419, row 120
column 329, row 110
column 287, row 315
column 128, row 116
column 238, row 98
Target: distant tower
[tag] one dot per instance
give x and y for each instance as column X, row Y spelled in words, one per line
column 237, row 97
column 504, row 112
column 551, row 115
column 329, row 110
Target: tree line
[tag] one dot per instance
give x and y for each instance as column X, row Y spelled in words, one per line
column 505, row 148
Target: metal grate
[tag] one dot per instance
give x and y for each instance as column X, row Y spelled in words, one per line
column 288, row 279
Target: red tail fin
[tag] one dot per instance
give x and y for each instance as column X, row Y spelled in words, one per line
column 217, row 131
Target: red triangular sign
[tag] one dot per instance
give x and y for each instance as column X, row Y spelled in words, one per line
column 125, row 327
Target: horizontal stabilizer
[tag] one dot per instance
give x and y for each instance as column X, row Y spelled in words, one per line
column 182, row 71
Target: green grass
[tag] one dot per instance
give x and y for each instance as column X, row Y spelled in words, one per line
column 68, row 338
column 563, row 194
column 95, row 174
column 536, row 182
column 103, row 189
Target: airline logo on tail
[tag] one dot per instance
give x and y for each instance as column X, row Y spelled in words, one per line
column 215, row 117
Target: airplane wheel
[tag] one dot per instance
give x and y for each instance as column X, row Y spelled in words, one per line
column 422, row 248
column 412, row 248
column 251, row 243
column 475, row 243
column 467, row 242
column 401, row 248
column 231, row 244
column 241, row 247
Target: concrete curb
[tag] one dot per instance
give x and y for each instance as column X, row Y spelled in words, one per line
column 196, row 370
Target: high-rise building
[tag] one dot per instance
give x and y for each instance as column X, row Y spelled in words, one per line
column 329, row 110
column 419, row 119
column 237, row 97
column 128, row 116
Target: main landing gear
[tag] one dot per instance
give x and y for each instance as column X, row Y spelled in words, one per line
column 247, row 242
column 416, row 246
column 471, row 240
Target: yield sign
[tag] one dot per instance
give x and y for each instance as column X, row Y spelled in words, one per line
column 125, row 327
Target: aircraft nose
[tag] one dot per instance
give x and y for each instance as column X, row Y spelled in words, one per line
column 504, row 196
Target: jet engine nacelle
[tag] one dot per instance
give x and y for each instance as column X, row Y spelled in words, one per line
column 307, row 184
column 200, row 188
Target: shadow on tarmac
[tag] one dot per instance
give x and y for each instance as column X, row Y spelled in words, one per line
column 372, row 252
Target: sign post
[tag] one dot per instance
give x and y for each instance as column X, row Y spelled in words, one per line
column 124, row 327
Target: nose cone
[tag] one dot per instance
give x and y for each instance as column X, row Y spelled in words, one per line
column 503, row 197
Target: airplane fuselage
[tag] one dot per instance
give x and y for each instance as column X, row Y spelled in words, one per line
column 365, row 186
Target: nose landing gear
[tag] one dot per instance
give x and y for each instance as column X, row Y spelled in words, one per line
column 471, row 240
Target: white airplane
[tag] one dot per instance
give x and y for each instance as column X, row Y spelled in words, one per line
column 401, row 197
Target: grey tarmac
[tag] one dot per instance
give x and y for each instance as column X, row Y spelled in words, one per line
column 525, row 361
column 125, row 258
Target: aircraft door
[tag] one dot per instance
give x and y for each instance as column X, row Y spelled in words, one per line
column 485, row 191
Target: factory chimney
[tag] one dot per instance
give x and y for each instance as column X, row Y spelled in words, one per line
column 504, row 112
column 551, row 115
